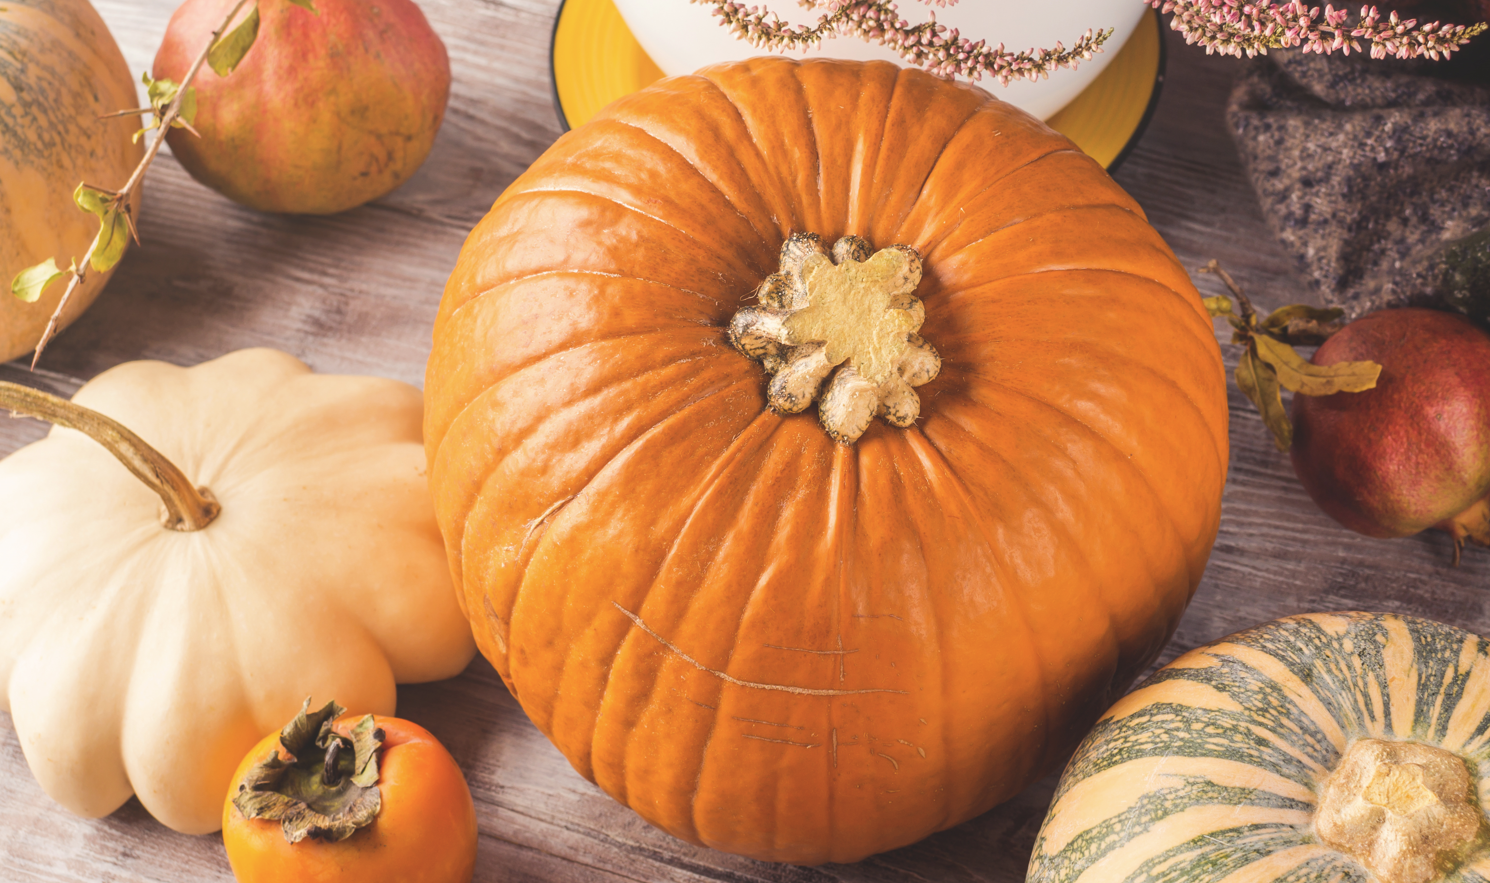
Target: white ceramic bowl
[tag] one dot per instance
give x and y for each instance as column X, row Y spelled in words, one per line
column 682, row 37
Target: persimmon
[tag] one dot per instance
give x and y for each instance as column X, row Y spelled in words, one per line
column 336, row 798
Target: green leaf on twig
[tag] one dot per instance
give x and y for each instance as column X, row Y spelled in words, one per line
column 32, row 281
column 113, row 227
column 161, row 93
column 92, row 201
column 112, row 240
column 225, row 54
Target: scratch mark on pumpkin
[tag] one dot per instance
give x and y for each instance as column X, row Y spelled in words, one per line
column 750, row 720
column 780, row 741
column 729, row 679
column 842, row 666
column 839, row 652
column 893, row 762
column 877, row 616
column 498, row 626
column 703, row 704
column 835, row 748
column 542, row 521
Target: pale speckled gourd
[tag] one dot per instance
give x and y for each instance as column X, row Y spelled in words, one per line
column 60, row 70
column 1350, row 747
column 138, row 656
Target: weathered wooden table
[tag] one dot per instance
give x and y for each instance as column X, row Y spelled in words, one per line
column 357, row 293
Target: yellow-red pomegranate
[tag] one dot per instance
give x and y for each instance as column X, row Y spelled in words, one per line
column 1414, row 452
column 330, row 109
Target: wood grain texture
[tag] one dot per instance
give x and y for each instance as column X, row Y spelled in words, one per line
column 358, row 292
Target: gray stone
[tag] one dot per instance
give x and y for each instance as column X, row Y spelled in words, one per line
column 1366, row 170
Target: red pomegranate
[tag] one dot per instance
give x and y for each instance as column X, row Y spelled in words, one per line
column 329, row 109
column 1414, row 452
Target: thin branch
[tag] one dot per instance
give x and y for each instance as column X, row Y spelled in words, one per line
column 1248, row 311
column 124, row 194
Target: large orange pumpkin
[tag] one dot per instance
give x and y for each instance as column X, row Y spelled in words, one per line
column 758, row 638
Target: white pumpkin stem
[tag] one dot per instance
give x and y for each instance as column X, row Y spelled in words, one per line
column 185, row 507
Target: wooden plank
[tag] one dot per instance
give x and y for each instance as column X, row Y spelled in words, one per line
column 357, row 293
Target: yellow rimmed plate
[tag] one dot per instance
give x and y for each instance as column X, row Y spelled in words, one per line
column 596, row 60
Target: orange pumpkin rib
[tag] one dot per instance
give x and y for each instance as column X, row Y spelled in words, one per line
column 1117, row 459
column 673, row 190
column 842, row 139
column 698, row 605
column 701, row 112
column 1003, row 588
column 540, row 436
column 1103, row 344
column 1002, row 206
column 532, row 362
column 1053, row 242
column 1104, row 291
column 914, row 141
column 632, row 583
column 536, row 232
column 1183, row 362
column 781, row 128
column 1126, row 495
column 750, row 215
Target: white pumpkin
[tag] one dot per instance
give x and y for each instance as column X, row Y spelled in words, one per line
column 139, row 659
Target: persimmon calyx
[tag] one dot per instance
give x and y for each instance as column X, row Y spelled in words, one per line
column 848, row 314
column 326, row 785
column 1402, row 809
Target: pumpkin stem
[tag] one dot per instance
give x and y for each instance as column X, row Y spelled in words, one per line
column 184, row 506
column 849, row 314
column 1402, row 809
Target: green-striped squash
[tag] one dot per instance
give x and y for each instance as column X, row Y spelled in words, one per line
column 60, row 71
column 1291, row 752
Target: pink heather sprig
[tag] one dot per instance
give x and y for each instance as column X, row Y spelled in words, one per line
column 1230, row 27
column 930, row 45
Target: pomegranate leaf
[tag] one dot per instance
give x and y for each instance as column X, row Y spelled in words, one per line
column 32, row 281
column 1259, row 382
column 161, row 93
column 228, row 52
column 112, row 239
column 306, row 4
column 1302, row 325
column 94, row 202
column 1314, row 380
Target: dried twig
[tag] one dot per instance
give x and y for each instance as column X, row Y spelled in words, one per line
column 118, row 201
